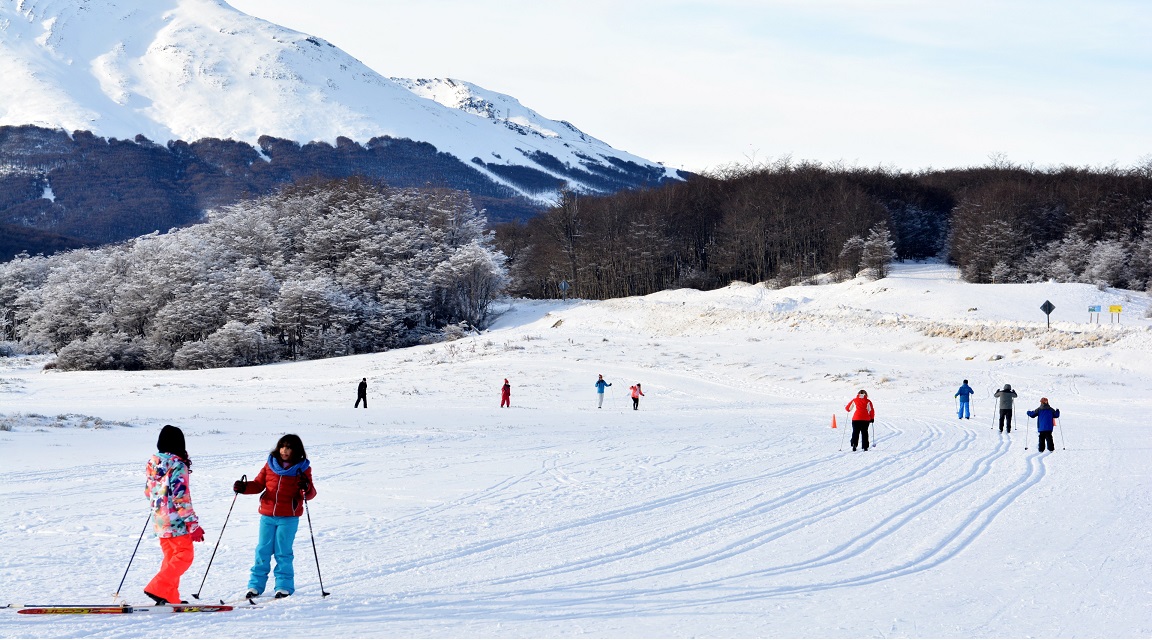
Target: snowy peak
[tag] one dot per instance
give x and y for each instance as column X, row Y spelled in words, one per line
column 497, row 107
column 194, row 69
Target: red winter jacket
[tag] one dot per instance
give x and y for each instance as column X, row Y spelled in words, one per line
column 863, row 410
column 281, row 497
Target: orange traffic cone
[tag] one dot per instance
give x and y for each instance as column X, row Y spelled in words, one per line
column 833, row 420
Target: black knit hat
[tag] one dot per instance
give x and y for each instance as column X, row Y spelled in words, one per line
column 171, row 440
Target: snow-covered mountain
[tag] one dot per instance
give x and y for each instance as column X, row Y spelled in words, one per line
column 194, row 69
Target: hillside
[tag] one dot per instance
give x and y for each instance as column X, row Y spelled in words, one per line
column 138, row 114
column 724, row 507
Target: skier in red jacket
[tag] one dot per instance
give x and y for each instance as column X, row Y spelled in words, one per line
column 863, row 415
column 506, row 395
column 283, row 484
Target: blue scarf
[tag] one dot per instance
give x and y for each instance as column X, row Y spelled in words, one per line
column 294, row 470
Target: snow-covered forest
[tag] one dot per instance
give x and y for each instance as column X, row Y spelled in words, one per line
column 317, row 270
column 790, row 222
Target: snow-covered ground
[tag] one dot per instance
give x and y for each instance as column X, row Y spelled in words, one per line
column 725, row 506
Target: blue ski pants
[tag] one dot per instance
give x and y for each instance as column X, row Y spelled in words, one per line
column 276, row 537
column 963, row 412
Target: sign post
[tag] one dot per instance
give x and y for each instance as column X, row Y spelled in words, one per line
column 1114, row 312
column 564, row 286
column 1094, row 309
column 1048, row 308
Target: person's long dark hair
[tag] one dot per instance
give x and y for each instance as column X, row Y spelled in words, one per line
column 171, row 440
column 294, row 441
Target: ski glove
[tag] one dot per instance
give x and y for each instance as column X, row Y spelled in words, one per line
column 239, row 486
column 302, row 482
column 197, row 534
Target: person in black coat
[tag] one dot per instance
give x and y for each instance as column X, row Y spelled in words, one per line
column 362, row 393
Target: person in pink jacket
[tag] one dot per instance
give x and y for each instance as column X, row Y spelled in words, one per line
column 636, row 393
column 173, row 517
column 863, row 415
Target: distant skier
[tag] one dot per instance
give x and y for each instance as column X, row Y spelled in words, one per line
column 863, row 415
column 964, row 393
column 362, row 393
column 1045, row 420
column 600, row 386
column 636, row 393
column 1007, row 397
column 283, row 484
column 173, row 517
column 506, row 395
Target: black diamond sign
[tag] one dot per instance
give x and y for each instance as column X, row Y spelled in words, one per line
column 1047, row 308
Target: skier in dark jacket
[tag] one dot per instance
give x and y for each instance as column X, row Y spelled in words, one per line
column 362, row 393
column 1045, row 421
column 1007, row 396
column 964, row 393
column 506, row 395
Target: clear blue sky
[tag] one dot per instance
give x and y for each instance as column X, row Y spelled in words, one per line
column 696, row 85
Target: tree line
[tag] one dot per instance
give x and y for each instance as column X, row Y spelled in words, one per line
column 787, row 223
column 317, row 270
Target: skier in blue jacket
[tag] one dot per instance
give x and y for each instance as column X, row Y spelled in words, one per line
column 964, row 393
column 1045, row 421
column 600, row 386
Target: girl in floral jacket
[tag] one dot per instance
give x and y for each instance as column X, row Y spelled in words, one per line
column 174, row 519
column 284, row 484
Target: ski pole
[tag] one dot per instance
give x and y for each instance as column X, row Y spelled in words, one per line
column 1026, row 437
column 1055, row 422
column 116, row 596
column 243, row 478
column 847, row 425
column 323, row 593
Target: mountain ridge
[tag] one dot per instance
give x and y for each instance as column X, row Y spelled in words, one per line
column 194, row 69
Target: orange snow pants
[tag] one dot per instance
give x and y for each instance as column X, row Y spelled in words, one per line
column 177, row 558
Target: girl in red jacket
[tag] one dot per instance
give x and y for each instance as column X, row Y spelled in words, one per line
column 863, row 415
column 284, row 484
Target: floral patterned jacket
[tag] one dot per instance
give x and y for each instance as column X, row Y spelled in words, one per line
column 167, row 491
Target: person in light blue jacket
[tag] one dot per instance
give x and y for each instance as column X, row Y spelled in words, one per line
column 964, row 393
column 600, row 386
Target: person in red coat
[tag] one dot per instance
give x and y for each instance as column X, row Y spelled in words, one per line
column 284, row 484
column 506, row 395
column 863, row 415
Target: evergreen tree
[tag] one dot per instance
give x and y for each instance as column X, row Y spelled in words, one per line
column 878, row 251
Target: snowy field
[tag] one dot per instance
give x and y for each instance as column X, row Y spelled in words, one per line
column 725, row 507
